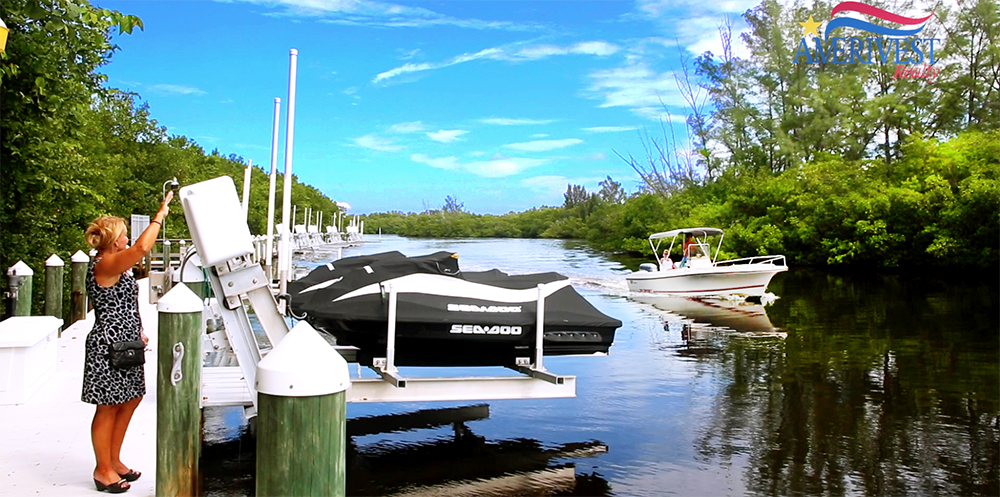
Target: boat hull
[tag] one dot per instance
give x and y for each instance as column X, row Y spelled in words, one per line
column 455, row 344
column 750, row 280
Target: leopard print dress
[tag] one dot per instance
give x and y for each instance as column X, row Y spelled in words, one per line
column 116, row 313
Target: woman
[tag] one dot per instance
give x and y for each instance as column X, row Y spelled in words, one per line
column 115, row 295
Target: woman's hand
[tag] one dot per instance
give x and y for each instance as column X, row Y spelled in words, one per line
column 144, row 338
column 165, row 206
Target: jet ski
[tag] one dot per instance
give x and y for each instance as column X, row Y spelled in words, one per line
column 444, row 316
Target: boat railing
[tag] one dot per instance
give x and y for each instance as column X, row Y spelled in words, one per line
column 778, row 260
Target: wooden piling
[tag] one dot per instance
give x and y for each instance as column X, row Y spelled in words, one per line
column 302, row 417
column 54, row 287
column 19, row 289
column 178, row 386
column 78, row 287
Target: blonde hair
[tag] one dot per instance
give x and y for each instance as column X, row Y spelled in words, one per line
column 104, row 231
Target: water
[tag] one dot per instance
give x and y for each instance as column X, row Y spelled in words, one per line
column 846, row 384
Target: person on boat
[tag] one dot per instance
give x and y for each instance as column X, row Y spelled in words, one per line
column 688, row 242
column 666, row 262
column 115, row 294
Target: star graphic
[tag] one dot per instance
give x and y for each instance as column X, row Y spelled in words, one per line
column 810, row 27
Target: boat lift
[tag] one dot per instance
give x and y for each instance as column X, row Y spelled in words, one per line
column 224, row 245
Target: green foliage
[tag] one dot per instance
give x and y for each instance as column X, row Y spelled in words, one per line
column 74, row 150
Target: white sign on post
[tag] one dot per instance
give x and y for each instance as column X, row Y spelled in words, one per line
column 139, row 224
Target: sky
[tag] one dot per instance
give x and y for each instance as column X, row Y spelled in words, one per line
column 500, row 104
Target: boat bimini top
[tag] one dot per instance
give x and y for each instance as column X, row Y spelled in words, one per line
column 700, row 234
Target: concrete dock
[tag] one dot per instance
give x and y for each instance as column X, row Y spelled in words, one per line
column 45, row 446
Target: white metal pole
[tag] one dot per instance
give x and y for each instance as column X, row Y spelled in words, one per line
column 246, row 189
column 286, row 199
column 390, row 344
column 269, row 244
column 539, row 326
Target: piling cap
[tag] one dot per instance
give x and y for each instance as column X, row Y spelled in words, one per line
column 54, row 261
column 20, row 269
column 302, row 365
column 79, row 256
column 180, row 300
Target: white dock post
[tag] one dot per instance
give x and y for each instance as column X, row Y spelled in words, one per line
column 19, row 278
column 246, row 189
column 269, row 247
column 178, row 392
column 285, row 269
column 302, row 417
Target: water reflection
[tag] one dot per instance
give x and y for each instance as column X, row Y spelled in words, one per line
column 384, row 457
column 879, row 388
column 710, row 314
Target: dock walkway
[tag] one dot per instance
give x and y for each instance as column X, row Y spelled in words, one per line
column 45, row 447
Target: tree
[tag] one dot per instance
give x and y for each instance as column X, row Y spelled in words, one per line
column 50, row 183
column 451, row 204
column 612, row 191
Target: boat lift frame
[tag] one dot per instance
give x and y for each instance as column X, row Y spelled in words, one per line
column 237, row 281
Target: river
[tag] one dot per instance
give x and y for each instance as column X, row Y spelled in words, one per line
column 846, row 384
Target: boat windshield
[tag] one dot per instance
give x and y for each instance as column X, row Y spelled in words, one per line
column 699, row 250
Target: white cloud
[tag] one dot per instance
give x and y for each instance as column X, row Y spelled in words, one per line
column 408, row 54
column 374, row 142
column 694, row 24
column 638, row 88
column 410, row 127
column 501, row 121
column 446, row 135
column 497, row 167
column 165, row 89
column 544, row 145
column 598, row 48
column 540, row 135
column 448, row 163
column 513, row 53
column 405, row 68
column 374, row 13
column 610, row 129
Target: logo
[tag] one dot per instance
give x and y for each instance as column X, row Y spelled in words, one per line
column 475, row 329
column 914, row 56
column 482, row 308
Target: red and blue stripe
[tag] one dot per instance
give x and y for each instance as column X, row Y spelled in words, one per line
column 863, row 8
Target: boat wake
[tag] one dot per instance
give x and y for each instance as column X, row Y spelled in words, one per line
column 615, row 287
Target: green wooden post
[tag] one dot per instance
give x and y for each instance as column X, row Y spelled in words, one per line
column 178, row 386
column 302, row 417
column 19, row 289
column 54, row 287
column 78, row 287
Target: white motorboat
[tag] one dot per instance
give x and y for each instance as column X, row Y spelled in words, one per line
column 699, row 273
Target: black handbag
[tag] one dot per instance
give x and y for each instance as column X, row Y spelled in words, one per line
column 126, row 354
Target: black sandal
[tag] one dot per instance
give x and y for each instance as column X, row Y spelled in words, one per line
column 114, row 488
column 131, row 476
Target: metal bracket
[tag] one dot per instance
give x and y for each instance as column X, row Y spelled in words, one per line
column 240, row 281
column 381, row 366
column 523, row 365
